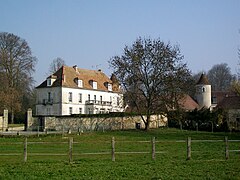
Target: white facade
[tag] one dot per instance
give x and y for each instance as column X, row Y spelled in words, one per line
column 203, row 95
column 83, row 96
column 65, row 101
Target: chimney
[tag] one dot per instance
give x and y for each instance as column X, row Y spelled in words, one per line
column 75, row 67
column 63, row 77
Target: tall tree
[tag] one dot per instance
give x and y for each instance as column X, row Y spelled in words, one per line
column 220, row 77
column 55, row 65
column 16, row 65
column 152, row 74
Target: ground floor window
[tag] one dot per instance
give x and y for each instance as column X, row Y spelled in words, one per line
column 70, row 110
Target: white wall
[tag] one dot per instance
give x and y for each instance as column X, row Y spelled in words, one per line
column 203, row 97
column 61, row 103
column 75, row 104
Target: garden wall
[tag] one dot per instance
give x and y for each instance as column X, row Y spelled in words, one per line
column 92, row 123
column 4, row 121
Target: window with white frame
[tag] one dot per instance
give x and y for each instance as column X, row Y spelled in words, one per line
column 80, row 97
column 89, row 97
column 109, row 87
column 49, row 83
column 80, row 83
column 94, row 85
column 101, row 99
column 70, row 97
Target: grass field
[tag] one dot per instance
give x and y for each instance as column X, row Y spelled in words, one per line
column 208, row 158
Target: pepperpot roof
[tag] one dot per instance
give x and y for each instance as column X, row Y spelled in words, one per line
column 67, row 77
column 203, row 80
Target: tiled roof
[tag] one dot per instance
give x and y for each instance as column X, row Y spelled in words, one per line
column 218, row 96
column 66, row 77
column 230, row 102
column 203, row 80
column 188, row 103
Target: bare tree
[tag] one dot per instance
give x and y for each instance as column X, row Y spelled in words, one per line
column 55, row 65
column 152, row 75
column 16, row 65
column 220, row 77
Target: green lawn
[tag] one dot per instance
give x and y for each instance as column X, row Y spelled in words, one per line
column 208, row 158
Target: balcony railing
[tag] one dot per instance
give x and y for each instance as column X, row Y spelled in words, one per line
column 102, row 103
column 47, row 101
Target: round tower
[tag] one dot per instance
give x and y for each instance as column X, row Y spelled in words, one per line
column 203, row 92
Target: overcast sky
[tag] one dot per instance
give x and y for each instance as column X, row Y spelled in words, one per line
column 88, row 33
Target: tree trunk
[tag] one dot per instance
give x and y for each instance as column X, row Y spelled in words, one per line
column 12, row 117
column 147, row 123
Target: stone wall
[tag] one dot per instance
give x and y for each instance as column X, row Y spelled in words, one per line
column 4, row 121
column 93, row 123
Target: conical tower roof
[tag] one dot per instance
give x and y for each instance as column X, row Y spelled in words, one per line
column 203, row 80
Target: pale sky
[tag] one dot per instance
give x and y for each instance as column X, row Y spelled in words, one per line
column 87, row 33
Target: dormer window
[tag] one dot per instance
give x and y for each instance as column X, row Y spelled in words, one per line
column 51, row 79
column 80, row 83
column 93, row 84
column 109, row 87
column 49, row 83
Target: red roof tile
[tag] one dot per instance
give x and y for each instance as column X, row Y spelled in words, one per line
column 66, row 77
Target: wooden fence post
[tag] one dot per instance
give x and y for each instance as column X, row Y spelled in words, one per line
column 70, row 149
column 25, row 150
column 153, row 149
column 226, row 148
column 113, row 149
column 38, row 131
column 188, row 148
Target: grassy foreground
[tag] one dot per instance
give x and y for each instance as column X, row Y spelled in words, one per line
column 208, row 158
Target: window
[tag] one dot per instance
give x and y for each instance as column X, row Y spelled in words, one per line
column 90, row 111
column 109, row 87
column 70, row 96
column 48, row 111
column 118, row 101
column 49, row 96
column 70, row 110
column 203, row 89
column 95, row 98
column 101, row 99
column 80, row 83
column 88, row 97
column 110, row 99
column 80, row 98
column 94, row 85
column 49, row 83
column 214, row 100
column 80, row 110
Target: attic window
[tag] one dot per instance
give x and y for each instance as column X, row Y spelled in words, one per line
column 203, row 89
column 80, row 83
column 49, row 82
column 109, row 87
column 94, row 85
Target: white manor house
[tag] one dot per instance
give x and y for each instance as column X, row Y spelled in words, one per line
column 72, row 90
